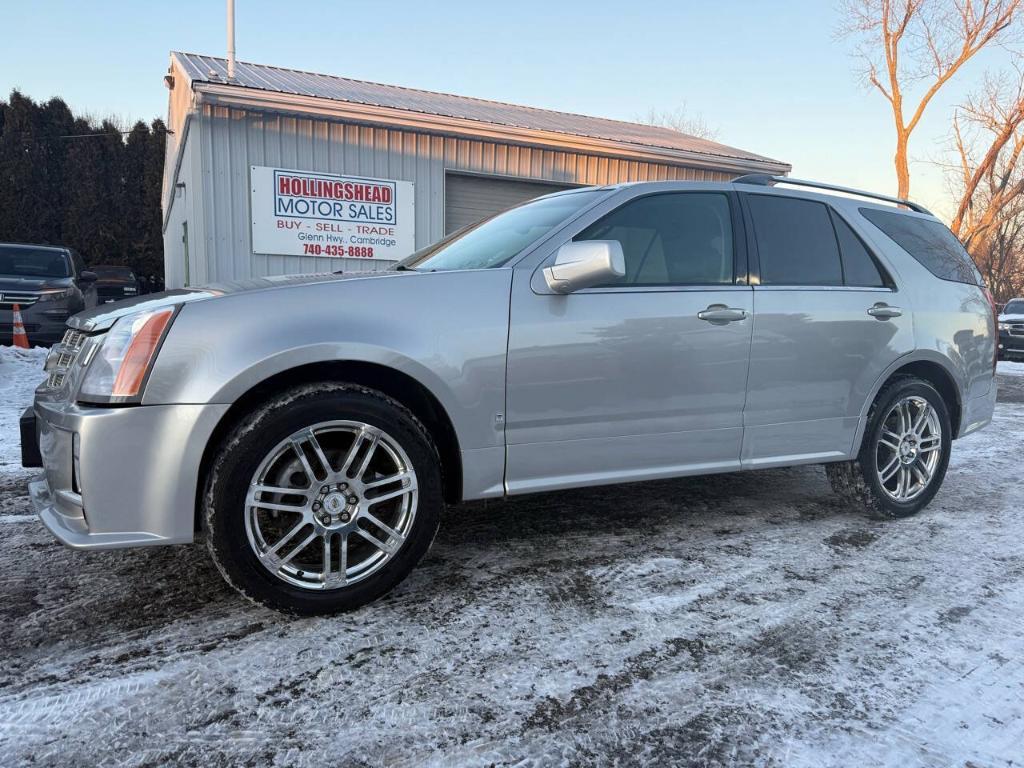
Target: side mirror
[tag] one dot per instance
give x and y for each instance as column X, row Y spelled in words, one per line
column 585, row 264
column 88, row 277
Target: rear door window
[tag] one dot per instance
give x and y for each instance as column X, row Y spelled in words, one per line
column 796, row 242
column 929, row 242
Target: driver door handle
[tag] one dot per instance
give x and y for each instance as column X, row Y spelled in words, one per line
column 720, row 314
column 883, row 311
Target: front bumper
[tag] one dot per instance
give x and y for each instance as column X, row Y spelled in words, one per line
column 44, row 324
column 110, row 295
column 120, row 477
column 1010, row 345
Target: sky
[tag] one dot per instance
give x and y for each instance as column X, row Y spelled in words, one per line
column 771, row 78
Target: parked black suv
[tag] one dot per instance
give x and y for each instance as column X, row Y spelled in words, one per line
column 48, row 283
column 1011, row 330
column 115, row 283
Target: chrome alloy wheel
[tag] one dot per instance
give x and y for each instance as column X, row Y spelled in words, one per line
column 331, row 504
column 909, row 448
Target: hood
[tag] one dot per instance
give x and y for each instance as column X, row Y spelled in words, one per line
column 102, row 317
column 1014, row 318
column 16, row 284
column 288, row 281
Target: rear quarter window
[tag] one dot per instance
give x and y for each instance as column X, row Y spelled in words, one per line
column 859, row 267
column 929, row 242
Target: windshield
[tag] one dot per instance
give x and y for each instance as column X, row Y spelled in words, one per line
column 1015, row 307
column 26, row 261
column 492, row 242
column 116, row 273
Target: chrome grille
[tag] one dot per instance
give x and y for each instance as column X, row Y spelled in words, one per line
column 62, row 357
column 1017, row 329
column 23, row 299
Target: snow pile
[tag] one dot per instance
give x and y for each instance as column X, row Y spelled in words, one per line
column 21, row 371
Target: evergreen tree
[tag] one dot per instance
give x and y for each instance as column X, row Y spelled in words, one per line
column 24, row 208
column 69, row 180
column 152, row 261
column 56, row 122
column 134, row 214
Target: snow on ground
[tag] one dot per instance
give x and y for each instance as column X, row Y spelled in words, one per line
column 21, row 371
column 1011, row 381
column 1010, row 368
column 730, row 620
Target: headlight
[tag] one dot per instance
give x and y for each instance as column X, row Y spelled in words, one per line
column 1004, row 326
column 54, row 294
column 119, row 367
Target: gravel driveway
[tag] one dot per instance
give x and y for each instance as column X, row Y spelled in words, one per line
column 731, row 620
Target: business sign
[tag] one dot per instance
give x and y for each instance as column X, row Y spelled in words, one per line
column 300, row 213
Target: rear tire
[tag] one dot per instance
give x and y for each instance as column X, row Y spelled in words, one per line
column 344, row 468
column 904, row 453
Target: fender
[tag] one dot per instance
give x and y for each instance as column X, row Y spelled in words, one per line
column 333, row 352
column 414, row 323
column 918, row 355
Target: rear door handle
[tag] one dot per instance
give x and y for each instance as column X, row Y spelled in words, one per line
column 884, row 311
column 719, row 314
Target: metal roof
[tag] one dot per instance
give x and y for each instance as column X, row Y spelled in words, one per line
column 208, row 69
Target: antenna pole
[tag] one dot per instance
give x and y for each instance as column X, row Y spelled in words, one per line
column 231, row 39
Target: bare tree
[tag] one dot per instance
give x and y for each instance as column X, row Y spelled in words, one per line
column 987, row 178
column 1000, row 256
column 988, row 133
column 681, row 120
column 912, row 48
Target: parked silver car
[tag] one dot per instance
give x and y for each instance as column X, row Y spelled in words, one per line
column 314, row 427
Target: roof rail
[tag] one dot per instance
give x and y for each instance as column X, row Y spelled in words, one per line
column 766, row 180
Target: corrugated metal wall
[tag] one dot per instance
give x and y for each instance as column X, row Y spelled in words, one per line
column 179, row 102
column 185, row 220
column 231, row 140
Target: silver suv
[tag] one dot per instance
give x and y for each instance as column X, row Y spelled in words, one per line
column 313, row 428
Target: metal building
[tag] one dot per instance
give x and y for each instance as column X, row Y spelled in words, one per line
column 277, row 171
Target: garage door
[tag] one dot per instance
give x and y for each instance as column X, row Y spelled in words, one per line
column 467, row 199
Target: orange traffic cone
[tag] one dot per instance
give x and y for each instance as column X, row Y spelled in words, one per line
column 20, row 337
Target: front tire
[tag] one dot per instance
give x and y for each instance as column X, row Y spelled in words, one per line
column 904, row 453
column 322, row 499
